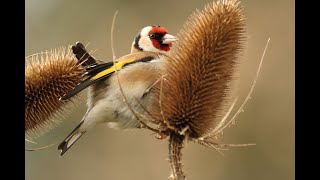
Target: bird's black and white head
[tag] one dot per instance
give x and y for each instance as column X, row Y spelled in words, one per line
column 154, row 39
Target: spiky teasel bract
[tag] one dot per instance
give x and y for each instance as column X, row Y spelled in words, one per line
column 48, row 76
column 198, row 76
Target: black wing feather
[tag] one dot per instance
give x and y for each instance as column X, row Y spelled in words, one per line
column 88, row 81
column 92, row 69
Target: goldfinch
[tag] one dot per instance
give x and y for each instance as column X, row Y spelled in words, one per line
column 137, row 73
column 150, row 39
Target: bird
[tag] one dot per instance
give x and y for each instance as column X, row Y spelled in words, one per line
column 154, row 39
column 137, row 73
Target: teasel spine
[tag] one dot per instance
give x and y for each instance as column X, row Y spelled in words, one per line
column 48, row 76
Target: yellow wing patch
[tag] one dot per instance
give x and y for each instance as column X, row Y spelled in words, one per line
column 113, row 68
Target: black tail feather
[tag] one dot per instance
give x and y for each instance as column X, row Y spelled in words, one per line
column 82, row 55
column 64, row 146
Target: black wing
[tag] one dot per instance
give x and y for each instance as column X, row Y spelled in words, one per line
column 91, row 72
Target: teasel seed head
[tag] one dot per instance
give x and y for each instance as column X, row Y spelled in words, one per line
column 199, row 72
column 198, row 77
column 48, row 76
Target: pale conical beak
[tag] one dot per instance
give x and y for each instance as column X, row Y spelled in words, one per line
column 168, row 39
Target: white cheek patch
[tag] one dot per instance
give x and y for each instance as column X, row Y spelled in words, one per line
column 145, row 42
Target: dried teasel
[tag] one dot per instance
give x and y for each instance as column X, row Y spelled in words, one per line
column 48, row 76
column 198, row 77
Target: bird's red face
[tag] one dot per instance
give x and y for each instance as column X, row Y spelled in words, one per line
column 155, row 39
column 160, row 38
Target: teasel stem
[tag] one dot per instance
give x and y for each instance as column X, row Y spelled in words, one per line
column 175, row 155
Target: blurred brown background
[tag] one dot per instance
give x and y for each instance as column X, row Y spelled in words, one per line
column 104, row 153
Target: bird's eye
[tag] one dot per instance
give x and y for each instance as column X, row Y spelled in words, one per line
column 152, row 36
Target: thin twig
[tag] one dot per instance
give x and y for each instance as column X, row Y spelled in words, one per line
column 112, row 29
column 125, row 100
column 41, row 148
column 249, row 94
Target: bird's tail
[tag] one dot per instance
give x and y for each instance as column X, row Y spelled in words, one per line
column 70, row 139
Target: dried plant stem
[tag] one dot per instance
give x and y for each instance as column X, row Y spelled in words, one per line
column 175, row 155
column 111, row 34
column 224, row 125
column 40, row 148
column 124, row 98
